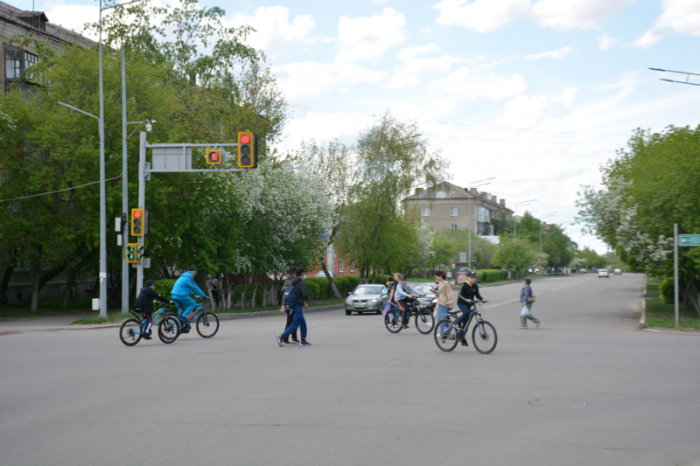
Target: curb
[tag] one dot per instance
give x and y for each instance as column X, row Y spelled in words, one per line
column 486, row 285
column 642, row 320
column 248, row 315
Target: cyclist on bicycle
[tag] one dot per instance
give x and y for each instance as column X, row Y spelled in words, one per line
column 403, row 299
column 144, row 304
column 468, row 294
column 184, row 286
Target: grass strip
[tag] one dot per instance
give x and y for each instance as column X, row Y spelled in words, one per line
column 660, row 314
column 312, row 304
column 110, row 319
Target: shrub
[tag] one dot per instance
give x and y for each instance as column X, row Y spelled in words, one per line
column 666, row 290
column 164, row 287
column 490, row 276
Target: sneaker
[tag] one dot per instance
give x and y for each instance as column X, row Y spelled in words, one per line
column 147, row 336
column 294, row 340
column 279, row 339
column 450, row 337
column 464, row 343
column 538, row 324
column 304, row 343
column 524, row 328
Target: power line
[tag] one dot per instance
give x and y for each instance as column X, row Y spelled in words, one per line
column 472, row 126
column 58, row 191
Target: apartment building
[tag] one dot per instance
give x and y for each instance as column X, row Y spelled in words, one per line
column 14, row 23
column 451, row 207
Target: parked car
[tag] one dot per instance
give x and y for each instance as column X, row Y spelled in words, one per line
column 367, row 298
column 618, row 272
column 429, row 295
column 603, row 273
column 583, row 271
column 322, row 274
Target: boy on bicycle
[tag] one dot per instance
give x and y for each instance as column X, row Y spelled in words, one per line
column 184, row 286
column 468, row 294
column 144, row 304
column 403, row 299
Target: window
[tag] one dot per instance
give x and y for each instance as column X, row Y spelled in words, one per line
column 340, row 265
column 426, row 211
column 352, row 266
column 453, row 227
column 30, row 59
column 13, row 64
column 453, row 211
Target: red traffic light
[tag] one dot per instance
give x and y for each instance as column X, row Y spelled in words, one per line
column 214, row 156
column 137, row 214
column 245, row 138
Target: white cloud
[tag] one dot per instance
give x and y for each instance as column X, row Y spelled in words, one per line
column 71, row 16
column 606, row 42
column 647, row 39
column 467, row 83
column 415, row 64
column 554, row 54
column 369, row 38
column 682, row 16
column 308, row 81
column 274, row 32
column 575, row 14
column 525, row 111
column 480, row 15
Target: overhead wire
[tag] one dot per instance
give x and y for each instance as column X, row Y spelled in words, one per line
column 59, row 190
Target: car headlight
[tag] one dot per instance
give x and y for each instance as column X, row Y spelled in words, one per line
column 374, row 301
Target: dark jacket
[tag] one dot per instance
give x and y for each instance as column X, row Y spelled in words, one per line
column 145, row 300
column 302, row 293
column 469, row 292
column 286, row 285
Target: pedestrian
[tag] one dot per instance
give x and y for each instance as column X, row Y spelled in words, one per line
column 526, row 300
column 446, row 300
column 449, row 277
column 288, row 309
column 214, row 286
column 299, row 295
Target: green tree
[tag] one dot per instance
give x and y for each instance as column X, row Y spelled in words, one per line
column 516, row 255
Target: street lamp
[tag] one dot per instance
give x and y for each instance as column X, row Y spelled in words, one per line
column 515, row 223
column 475, row 184
column 687, row 77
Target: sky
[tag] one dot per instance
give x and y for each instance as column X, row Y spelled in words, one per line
column 537, row 94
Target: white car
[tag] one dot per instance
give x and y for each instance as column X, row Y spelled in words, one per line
column 583, row 271
column 618, row 271
column 322, row 274
column 603, row 273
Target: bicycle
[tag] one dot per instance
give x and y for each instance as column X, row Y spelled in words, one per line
column 484, row 342
column 132, row 330
column 424, row 320
column 207, row 323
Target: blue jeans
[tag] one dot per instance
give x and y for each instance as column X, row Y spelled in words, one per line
column 187, row 305
column 466, row 317
column 298, row 322
column 442, row 313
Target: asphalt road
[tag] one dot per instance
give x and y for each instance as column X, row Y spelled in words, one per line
column 585, row 388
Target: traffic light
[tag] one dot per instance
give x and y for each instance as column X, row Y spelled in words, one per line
column 139, row 252
column 132, row 256
column 137, row 222
column 214, row 156
column 247, row 150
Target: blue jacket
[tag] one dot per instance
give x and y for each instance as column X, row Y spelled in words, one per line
column 525, row 293
column 186, row 285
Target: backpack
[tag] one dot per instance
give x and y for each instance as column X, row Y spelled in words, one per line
column 290, row 296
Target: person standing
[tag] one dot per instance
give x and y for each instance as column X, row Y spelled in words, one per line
column 298, row 321
column 449, row 277
column 446, row 300
column 288, row 309
column 214, row 285
column 526, row 300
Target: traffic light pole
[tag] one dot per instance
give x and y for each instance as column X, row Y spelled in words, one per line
column 141, row 204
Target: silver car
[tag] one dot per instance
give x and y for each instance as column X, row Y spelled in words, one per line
column 367, row 298
column 426, row 290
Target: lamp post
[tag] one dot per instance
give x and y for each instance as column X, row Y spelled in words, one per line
column 475, row 184
column 515, row 222
column 544, row 216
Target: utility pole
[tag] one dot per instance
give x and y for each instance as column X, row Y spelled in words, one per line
column 125, row 194
column 103, row 197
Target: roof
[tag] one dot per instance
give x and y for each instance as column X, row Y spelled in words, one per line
column 455, row 192
column 54, row 32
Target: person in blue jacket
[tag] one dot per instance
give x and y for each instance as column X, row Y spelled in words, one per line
column 184, row 286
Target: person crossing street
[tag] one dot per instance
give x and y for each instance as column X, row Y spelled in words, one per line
column 297, row 296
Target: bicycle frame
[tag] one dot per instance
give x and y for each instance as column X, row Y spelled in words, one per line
column 198, row 308
column 156, row 316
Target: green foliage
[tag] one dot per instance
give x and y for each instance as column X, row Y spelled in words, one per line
column 666, row 288
column 238, row 291
column 482, row 249
column 515, row 254
column 490, row 276
column 165, row 286
column 661, row 314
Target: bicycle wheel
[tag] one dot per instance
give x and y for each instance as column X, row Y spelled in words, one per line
column 130, row 332
column 393, row 321
column 485, row 338
column 448, row 340
column 168, row 330
column 207, row 325
column 424, row 322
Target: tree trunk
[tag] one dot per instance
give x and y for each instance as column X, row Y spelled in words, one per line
column 48, row 276
column 388, row 272
column 72, row 274
column 264, row 300
column 362, row 275
column 374, row 274
column 7, row 274
column 212, row 302
column 245, row 288
column 331, row 282
column 255, row 290
column 36, row 277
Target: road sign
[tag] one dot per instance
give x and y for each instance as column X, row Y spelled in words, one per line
column 463, row 257
column 688, row 240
